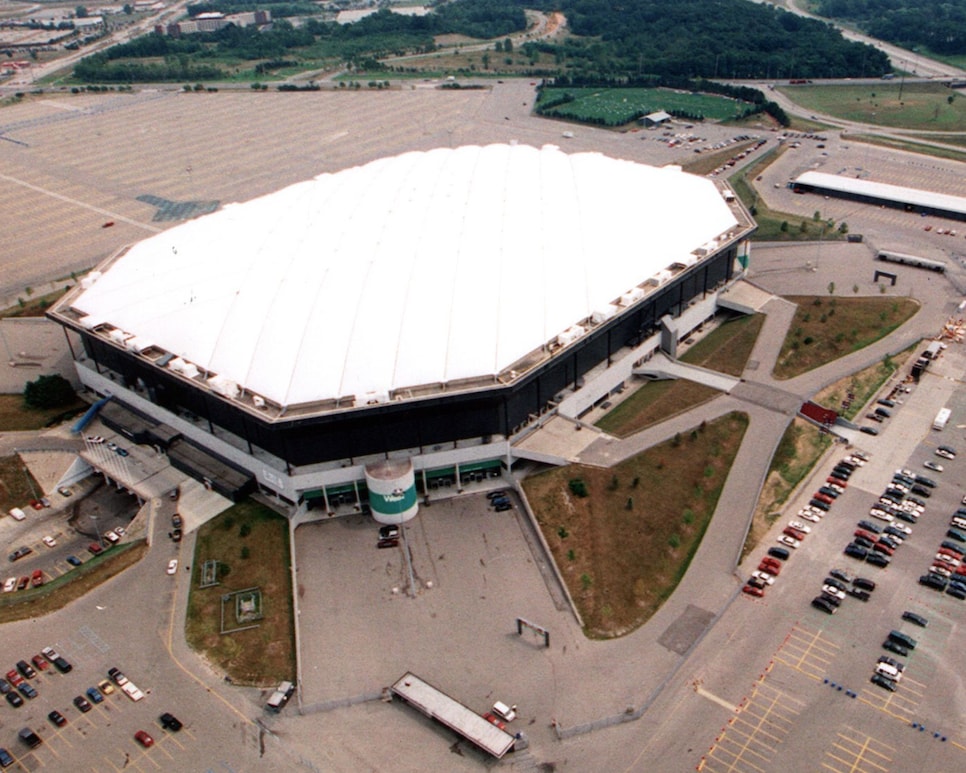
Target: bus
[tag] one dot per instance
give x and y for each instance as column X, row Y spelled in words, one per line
column 911, row 260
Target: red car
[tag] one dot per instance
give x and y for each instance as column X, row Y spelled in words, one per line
column 878, row 547
column 795, row 533
column 14, row 677
column 866, row 535
column 144, row 739
column 751, row 590
column 837, row 481
column 37, row 578
column 95, row 548
column 770, row 565
column 822, row 498
column 40, row 662
column 23, row 582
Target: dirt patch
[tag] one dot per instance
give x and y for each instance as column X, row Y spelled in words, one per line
column 624, row 545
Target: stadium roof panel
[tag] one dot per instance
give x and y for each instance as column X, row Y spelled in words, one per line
column 428, row 267
column 885, row 191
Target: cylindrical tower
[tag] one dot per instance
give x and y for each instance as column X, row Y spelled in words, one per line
column 392, row 490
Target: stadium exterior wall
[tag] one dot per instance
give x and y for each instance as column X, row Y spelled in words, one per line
column 286, row 454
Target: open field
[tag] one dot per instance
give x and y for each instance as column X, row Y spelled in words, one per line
column 915, row 147
column 15, row 417
column 825, row 329
column 251, row 545
column 924, row 106
column 613, row 107
column 625, row 544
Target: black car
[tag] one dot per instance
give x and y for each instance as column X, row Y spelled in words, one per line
column 956, row 534
column 922, row 480
column 387, row 543
column 842, row 472
column 14, row 699
column 863, row 543
column 82, row 704
column 921, row 491
column 57, row 718
column 878, row 559
column 29, row 737
column 503, row 507
column 819, row 504
column 861, row 595
column 883, row 681
column 869, row 430
column 957, row 592
column 823, row 603
column 906, row 516
column 856, row 551
column 916, row 501
column 779, row 553
column 892, row 531
column 837, row 584
column 864, row 584
column 170, row 722
column 841, row 574
column 934, row 581
column 495, row 494
column 887, row 403
column 912, row 617
column 869, row 526
column 829, row 492
column 895, row 647
column 62, row 665
column 389, row 531
column 26, row 669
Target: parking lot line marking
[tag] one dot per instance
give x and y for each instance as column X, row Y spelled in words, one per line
column 715, row 699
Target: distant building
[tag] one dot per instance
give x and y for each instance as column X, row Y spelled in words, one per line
column 211, row 22
column 655, row 119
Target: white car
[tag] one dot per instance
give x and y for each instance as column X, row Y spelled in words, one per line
column 906, row 472
column 901, row 527
column 808, row 516
column 49, row 541
column 50, row 653
column 888, row 671
column 10, row 584
column 857, row 460
column 789, row 542
column 111, row 537
column 172, row 566
column 765, row 577
column 882, row 515
column 947, row 559
column 834, row 592
column 930, row 465
column 802, row 527
column 836, row 487
column 944, row 453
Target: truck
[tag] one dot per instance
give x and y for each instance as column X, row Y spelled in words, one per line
column 280, row 697
column 942, row 419
column 131, row 691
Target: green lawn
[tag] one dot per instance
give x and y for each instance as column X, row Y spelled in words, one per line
column 613, row 107
column 923, row 106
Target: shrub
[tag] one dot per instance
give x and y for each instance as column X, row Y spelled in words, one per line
column 562, row 532
column 246, row 529
column 245, row 552
column 577, row 487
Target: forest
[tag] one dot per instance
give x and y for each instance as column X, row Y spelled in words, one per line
column 939, row 25
column 731, row 39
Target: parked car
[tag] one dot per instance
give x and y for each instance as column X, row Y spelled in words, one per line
column 94, row 695
column 172, row 566
column 74, row 561
column 26, row 669
column 753, row 590
column 40, row 662
column 82, row 704
column 779, row 553
column 170, row 722
column 884, row 682
column 878, row 559
column 895, row 647
column 144, row 739
column 913, row 617
column 822, row 603
column 390, row 531
column 14, row 699
column 789, row 542
column 27, row 690
column 57, row 718
column 856, row 551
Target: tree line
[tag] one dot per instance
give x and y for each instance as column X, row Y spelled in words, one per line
column 939, row 25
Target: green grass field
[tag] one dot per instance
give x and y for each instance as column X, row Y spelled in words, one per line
column 618, row 106
column 922, row 106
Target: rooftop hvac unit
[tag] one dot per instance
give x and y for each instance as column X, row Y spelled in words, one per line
column 258, row 401
column 224, row 386
column 570, row 335
column 376, row 398
column 604, row 314
column 119, row 336
column 631, row 296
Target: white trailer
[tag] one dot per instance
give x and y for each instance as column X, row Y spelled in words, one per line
column 942, row 419
column 450, row 712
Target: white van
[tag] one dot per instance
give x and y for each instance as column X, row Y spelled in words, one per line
column 17, row 514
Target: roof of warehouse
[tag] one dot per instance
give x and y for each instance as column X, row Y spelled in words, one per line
column 427, row 267
column 896, row 193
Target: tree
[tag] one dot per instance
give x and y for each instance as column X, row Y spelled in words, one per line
column 80, row 12
column 128, row 9
column 486, row 60
column 48, row 392
column 508, row 47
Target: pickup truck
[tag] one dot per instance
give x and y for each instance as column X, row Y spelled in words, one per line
column 131, row 691
column 280, row 697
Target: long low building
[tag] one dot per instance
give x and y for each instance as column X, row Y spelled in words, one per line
column 857, row 189
column 376, row 333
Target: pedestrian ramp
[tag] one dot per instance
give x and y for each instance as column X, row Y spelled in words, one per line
column 660, row 366
column 744, row 297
